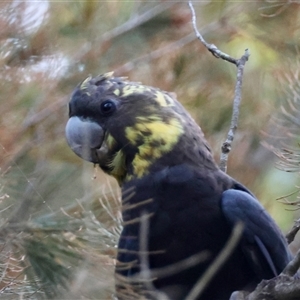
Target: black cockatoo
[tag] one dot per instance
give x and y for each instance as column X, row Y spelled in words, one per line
column 144, row 138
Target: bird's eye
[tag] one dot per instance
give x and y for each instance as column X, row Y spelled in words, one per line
column 108, row 107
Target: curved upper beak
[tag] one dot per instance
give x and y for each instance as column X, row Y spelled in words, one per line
column 85, row 138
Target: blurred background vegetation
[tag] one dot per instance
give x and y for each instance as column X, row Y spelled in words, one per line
column 59, row 216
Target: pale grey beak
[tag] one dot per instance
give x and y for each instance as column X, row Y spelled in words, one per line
column 85, row 138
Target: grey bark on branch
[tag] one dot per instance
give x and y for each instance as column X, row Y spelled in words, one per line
column 285, row 286
column 240, row 64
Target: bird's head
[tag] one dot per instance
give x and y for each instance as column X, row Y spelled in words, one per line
column 130, row 129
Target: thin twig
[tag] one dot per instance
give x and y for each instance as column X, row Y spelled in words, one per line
column 129, row 25
column 280, row 288
column 145, row 274
column 210, row 47
column 293, row 266
column 36, row 118
column 155, row 54
column 160, row 52
column 181, row 266
column 240, row 63
column 292, row 233
column 226, row 147
column 283, row 287
column 136, row 21
column 217, row 263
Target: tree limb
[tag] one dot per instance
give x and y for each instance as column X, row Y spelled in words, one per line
column 240, row 64
column 293, row 266
column 283, row 287
column 292, row 233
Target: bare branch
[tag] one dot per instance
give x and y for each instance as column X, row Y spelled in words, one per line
column 283, row 287
column 145, row 273
column 292, row 233
column 129, row 25
column 226, row 147
column 240, row 63
column 155, row 54
column 293, row 266
column 160, row 52
column 279, row 288
column 282, row 7
column 180, row 266
column 136, row 21
column 210, row 47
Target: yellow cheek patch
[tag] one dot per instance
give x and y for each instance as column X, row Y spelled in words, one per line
column 110, row 141
column 156, row 137
column 132, row 135
column 118, row 166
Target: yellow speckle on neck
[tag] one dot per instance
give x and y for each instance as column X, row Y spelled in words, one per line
column 156, row 137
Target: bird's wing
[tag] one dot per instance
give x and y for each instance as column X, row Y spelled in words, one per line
column 262, row 242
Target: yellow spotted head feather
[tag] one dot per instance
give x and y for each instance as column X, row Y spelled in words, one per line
column 149, row 129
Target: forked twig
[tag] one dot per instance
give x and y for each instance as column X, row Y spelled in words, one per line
column 240, row 64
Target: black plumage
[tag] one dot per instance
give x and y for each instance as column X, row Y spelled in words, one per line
column 184, row 207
